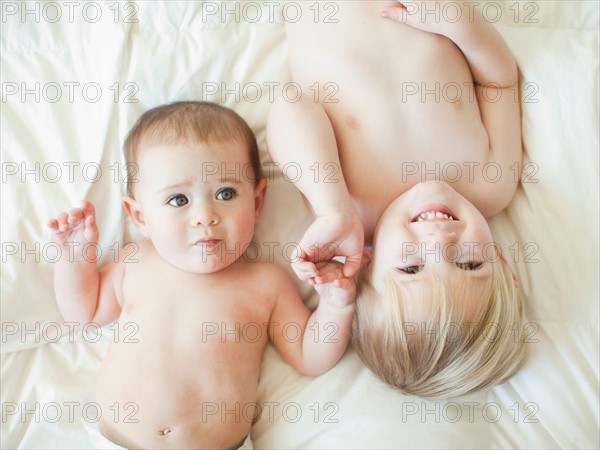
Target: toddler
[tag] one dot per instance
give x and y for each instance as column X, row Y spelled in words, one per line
column 410, row 120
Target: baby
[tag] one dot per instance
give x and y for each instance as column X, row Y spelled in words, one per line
column 204, row 311
column 416, row 103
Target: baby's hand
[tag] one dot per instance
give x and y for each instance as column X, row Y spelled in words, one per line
column 332, row 286
column 327, row 237
column 441, row 17
column 78, row 227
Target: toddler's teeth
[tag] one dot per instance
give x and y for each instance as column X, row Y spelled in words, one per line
column 431, row 215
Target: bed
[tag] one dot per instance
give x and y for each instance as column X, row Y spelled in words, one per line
column 76, row 75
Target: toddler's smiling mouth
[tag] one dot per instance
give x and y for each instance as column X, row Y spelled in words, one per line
column 438, row 213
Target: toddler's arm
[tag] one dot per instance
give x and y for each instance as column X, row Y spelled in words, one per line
column 495, row 76
column 301, row 133
column 314, row 343
column 83, row 293
column 488, row 55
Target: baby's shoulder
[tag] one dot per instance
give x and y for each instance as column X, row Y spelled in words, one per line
column 266, row 278
column 132, row 253
column 267, row 271
column 142, row 246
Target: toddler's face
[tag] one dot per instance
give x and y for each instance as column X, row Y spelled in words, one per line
column 431, row 229
column 197, row 203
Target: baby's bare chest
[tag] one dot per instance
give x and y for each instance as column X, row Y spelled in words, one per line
column 190, row 320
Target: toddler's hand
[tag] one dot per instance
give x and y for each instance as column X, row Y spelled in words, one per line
column 332, row 286
column 78, row 227
column 327, row 237
column 441, row 17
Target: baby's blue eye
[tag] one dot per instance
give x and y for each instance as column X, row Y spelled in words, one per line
column 226, row 194
column 411, row 270
column 469, row 265
column 178, row 201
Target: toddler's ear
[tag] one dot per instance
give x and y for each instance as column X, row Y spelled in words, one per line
column 134, row 210
column 514, row 275
column 503, row 261
column 366, row 257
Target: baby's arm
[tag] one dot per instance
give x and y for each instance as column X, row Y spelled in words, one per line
column 313, row 343
column 495, row 76
column 83, row 293
column 301, row 133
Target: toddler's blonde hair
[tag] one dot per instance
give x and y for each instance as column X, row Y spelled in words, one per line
column 452, row 352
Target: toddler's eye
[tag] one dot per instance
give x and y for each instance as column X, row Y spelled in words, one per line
column 178, row 200
column 411, row 270
column 469, row 265
column 226, row 194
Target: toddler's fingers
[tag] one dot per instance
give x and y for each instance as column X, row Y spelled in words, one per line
column 328, row 266
column 328, row 278
column 351, row 265
column 305, row 269
column 53, row 224
column 330, row 272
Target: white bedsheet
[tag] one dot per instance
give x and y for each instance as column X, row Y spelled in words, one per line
column 76, row 75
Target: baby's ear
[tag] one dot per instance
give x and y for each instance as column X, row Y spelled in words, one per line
column 134, row 210
column 260, row 191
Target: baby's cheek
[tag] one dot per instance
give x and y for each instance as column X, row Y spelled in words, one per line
column 168, row 240
column 244, row 228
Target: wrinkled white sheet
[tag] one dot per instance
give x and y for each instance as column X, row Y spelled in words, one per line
column 72, row 85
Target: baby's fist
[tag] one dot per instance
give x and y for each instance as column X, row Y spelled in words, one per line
column 78, row 225
column 339, row 291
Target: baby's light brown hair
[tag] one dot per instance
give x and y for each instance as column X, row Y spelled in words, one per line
column 190, row 122
column 449, row 354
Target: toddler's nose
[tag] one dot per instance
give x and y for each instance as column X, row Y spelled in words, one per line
column 440, row 246
column 443, row 237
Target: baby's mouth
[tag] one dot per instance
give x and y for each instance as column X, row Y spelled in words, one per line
column 208, row 242
column 435, row 214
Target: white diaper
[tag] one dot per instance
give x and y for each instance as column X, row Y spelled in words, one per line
column 96, row 438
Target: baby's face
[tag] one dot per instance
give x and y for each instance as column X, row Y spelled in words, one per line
column 431, row 229
column 197, row 203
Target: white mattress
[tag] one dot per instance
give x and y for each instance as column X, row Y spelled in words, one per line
column 98, row 73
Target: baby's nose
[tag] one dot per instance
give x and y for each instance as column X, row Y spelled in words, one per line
column 205, row 216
